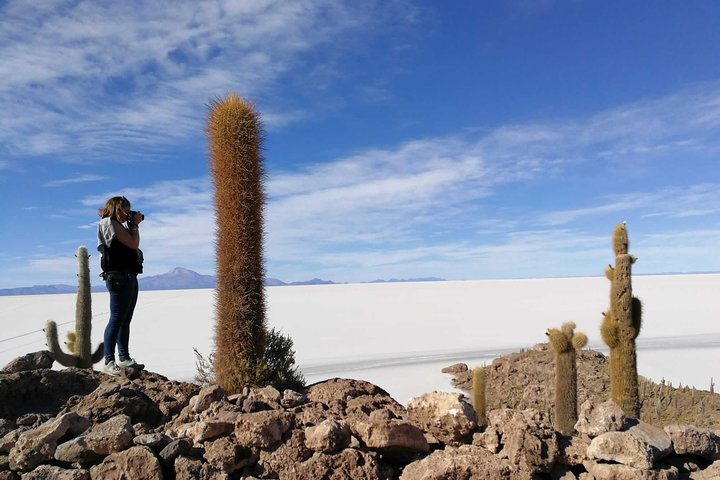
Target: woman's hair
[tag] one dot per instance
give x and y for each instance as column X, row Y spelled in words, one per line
column 113, row 207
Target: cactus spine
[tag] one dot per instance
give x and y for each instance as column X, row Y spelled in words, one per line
column 235, row 137
column 78, row 342
column 565, row 343
column 478, row 394
column 621, row 325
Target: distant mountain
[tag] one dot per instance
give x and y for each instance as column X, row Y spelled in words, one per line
column 405, row 280
column 38, row 290
column 183, row 279
column 177, row 279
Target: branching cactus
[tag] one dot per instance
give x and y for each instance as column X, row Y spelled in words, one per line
column 235, row 137
column 78, row 342
column 565, row 342
column 621, row 325
column 478, row 394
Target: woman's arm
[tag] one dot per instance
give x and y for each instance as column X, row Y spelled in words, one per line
column 130, row 239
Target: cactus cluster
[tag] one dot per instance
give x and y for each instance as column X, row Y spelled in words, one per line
column 78, row 342
column 234, row 137
column 621, row 326
column 565, row 342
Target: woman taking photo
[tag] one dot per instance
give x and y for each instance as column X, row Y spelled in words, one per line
column 121, row 261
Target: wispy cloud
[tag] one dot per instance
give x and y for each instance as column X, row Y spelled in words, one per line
column 72, row 180
column 91, row 79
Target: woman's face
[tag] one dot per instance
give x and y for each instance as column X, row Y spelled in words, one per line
column 123, row 214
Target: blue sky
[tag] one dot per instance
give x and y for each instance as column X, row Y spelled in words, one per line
column 463, row 139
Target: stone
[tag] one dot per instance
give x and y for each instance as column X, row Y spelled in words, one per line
column 291, row 399
column 226, row 455
column 710, row 473
column 447, row 416
column 466, row 462
column 6, row 426
column 527, row 438
column 572, row 450
column 33, row 420
column 596, row 419
column 206, row 397
column 621, row 447
column 281, row 460
column 455, row 368
column 262, row 429
column 30, row 361
column 152, row 440
column 346, row 464
column 209, row 429
column 341, row 389
column 37, row 445
column 136, row 463
column 391, row 435
column 174, row 449
column 690, row 440
column 8, row 441
column 267, row 394
column 49, row 472
column 602, row 471
column 327, row 437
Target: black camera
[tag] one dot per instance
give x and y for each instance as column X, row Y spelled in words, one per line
column 131, row 217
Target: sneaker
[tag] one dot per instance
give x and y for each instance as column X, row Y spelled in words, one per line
column 111, row 369
column 131, row 363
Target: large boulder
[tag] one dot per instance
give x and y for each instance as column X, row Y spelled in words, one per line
column 446, row 416
column 614, row 471
column 348, row 463
column 710, row 473
column 262, row 429
column 51, row 472
column 391, row 435
column 690, row 440
column 341, row 389
column 30, row 361
column 113, row 435
column 327, row 437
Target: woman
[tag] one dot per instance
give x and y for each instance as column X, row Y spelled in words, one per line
column 121, row 261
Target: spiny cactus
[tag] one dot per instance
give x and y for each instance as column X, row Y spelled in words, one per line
column 621, row 326
column 78, row 342
column 235, row 136
column 565, row 343
column 478, row 394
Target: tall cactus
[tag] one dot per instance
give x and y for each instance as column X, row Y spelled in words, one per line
column 78, row 342
column 478, row 394
column 235, row 136
column 621, row 325
column 566, row 342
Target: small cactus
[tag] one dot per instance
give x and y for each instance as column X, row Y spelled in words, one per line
column 565, row 343
column 478, row 394
column 621, row 326
column 78, row 342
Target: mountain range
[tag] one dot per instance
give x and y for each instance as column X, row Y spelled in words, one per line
column 181, row 279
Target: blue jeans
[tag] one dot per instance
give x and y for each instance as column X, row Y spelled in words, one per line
column 123, row 288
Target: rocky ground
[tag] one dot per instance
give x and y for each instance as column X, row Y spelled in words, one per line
column 79, row 424
column 526, row 379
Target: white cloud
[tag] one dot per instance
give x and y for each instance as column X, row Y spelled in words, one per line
column 86, row 80
column 72, row 180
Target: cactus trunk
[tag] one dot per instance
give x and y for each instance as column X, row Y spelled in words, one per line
column 79, row 341
column 235, row 137
column 478, row 394
column 565, row 342
column 621, row 327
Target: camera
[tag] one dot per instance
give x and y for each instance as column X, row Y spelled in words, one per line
column 131, row 217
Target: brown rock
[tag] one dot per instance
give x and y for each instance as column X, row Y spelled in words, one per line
column 348, row 463
column 602, row 471
column 455, row 368
column 262, row 429
column 596, row 419
column 136, row 463
column 227, row 456
column 291, row 399
column 37, row 445
column 206, row 397
column 281, row 460
column 391, row 435
column 528, row 440
column 690, row 440
column 341, row 389
column 327, row 437
column 710, row 473
column 152, row 440
column 30, row 361
column 48, row 472
column 467, row 462
column 447, row 416
column 621, row 447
